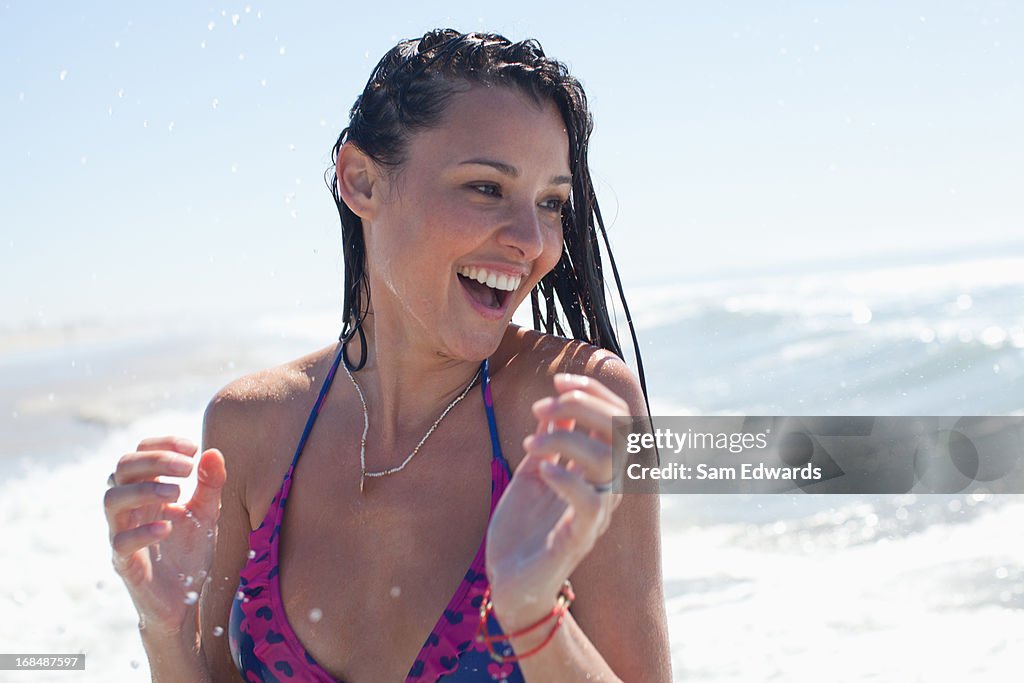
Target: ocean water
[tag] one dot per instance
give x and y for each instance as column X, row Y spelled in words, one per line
column 758, row 588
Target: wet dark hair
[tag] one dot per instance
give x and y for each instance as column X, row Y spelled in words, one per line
column 408, row 92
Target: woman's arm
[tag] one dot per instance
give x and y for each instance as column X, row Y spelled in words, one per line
column 224, row 428
column 176, row 657
column 617, row 629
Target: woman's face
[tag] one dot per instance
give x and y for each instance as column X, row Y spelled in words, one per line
column 470, row 223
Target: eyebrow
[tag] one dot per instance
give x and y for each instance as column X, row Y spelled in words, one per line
column 513, row 172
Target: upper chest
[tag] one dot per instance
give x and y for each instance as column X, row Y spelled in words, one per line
column 365, row 577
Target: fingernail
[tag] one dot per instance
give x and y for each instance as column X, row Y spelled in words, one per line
column 548, row 467
column 529, row 441
column 181, row 467
column 580, row 380
column 167, row 490
column 185, row 444
column 543, row 405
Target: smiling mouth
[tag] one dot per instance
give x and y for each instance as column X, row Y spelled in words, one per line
column 490, row 290
column 484, row 295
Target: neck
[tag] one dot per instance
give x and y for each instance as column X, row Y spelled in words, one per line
column 406, row 386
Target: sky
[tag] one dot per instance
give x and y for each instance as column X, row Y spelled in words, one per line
column 167, row 159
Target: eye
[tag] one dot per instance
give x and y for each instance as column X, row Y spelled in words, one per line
column 487, row 189
column 555, row 204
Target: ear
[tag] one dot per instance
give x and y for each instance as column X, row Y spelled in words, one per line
column 358, row 177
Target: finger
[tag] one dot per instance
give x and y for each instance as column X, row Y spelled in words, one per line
column 593, row 457
column 579, row 408
column 148, row 465
column 178, row 444
column 210, row 482
column 565, row 382
column 578, row 494
column 121, row 501
column 126, row 543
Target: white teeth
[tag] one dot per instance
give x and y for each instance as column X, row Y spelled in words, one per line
column 494, row 280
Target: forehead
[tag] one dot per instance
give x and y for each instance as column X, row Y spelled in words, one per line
column 500, row 122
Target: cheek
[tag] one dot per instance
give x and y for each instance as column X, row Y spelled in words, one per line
column 553, row 245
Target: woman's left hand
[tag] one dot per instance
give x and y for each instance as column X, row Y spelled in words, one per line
column 551, row 514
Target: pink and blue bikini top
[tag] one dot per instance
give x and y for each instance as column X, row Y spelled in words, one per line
column 266, row 649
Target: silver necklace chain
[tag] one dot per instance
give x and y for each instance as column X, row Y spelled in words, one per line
column 366, row 428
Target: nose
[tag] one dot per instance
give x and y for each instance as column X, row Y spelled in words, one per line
column 523, row 231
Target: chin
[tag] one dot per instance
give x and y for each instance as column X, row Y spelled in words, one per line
column 478, row 344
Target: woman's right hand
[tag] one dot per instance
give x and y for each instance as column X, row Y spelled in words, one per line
column 164, row 550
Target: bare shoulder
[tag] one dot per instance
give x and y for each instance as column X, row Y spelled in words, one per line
column 534, row 358
column 246, row 417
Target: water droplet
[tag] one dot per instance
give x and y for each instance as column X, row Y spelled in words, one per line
column 215, row 102
column 861, row 314
column 117, row 43
column 241, row 56
column 234, row 168
column 263, row 82
column 252, row 554
column 188, row 581
column 202, row 45
column 181, row 577
column 170, row 127
column 234, row 19
column 120, row 94
column 395, row 591
column 259, row 14
column 209, row 533
column 218, row 631
column 145, row 123
column 191, row 597
column 239, row 595
column 316, row 614
column 63, row 74
column 201, row 575
column 135, row 664
column 209, row 27
column 280, row 50
column 49, row 397
column 248, row 8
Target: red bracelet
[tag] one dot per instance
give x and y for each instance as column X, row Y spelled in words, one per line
column 562, row 603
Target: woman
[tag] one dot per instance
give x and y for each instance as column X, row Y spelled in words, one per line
column 463, row 186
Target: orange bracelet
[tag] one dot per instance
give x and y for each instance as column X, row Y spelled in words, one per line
column 562, row 603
